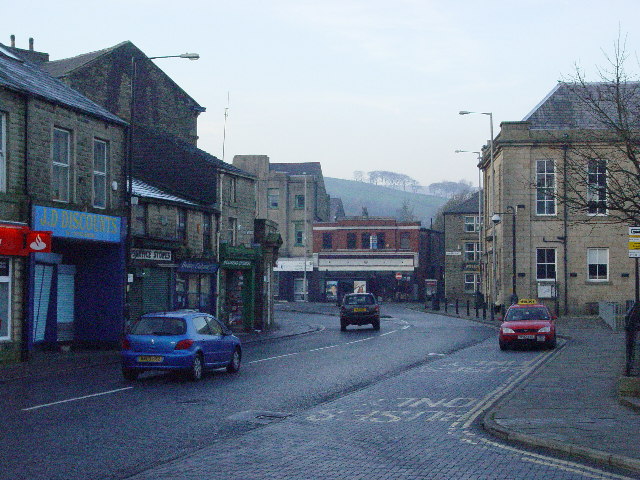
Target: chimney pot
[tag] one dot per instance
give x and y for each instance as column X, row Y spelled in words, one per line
column 13, row 41
column 31, row 44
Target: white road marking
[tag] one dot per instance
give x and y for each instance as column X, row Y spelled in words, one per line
column 75, row 399
column 275, row 358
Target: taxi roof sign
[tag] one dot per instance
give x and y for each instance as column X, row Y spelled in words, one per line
column 527, row 301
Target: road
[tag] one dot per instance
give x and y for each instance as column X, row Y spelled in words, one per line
column 402, row 402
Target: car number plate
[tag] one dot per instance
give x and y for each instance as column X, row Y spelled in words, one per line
column 526, row 337
column 359, row 309
column 541, row 338
column 150, row 358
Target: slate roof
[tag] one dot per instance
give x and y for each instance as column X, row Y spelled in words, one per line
column 24, row 77
column 310, row 168
column 468, row 206
column 60, row 68
column 564, row 108
column 177, row 167
column 144, row 190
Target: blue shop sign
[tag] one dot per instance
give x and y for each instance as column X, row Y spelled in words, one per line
column 198, row 266
column 74, row 224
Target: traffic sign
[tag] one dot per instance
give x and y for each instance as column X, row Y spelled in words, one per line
column 398, row 276
column 634, row 242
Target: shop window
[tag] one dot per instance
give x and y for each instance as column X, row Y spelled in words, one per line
column 327, row 241
column 598, row 264
column 5, row 299
column 352, row 241
column 381, row 243
column 61, row 164
column 193, row 290
column 3, row 152
column 365, row 241
column 100, row 167
column 273, row 198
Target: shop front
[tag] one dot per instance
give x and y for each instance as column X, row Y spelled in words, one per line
column 151, row 287
column 76, row 290
column 291, row 277
column 237, row 282
column 196, row 285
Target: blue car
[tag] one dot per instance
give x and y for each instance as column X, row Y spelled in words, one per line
column 184, row 340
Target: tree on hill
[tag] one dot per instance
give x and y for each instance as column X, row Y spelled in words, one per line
column 450, row 189
column 393, row 179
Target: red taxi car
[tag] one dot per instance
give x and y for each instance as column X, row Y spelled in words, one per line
column 527, row 323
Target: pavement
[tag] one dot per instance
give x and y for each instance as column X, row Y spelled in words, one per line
column 570, row 404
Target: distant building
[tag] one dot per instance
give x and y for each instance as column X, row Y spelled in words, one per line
column 336, row 209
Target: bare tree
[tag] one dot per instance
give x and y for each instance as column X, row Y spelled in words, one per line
column 405, row 213
column 602, row 159
column 358, row 176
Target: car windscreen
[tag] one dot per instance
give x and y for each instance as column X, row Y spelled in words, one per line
column 528, row 313
column 159, row 326
column 359, row 300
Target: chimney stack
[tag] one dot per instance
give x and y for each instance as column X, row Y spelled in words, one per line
column 31, row 44
column 13, row 41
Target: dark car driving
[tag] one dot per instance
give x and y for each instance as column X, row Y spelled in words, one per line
column 359, row 309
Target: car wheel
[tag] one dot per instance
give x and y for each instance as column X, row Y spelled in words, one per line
column 130, row 374
column 195, row 373
column 234, row 363
column 376, row 324
column 343, row 325
column 503, row 346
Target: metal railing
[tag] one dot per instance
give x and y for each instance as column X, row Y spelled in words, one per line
column 632, row 331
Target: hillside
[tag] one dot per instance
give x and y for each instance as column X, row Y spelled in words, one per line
column 382, row 201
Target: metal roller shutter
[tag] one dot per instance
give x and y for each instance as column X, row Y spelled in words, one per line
column 156, row 297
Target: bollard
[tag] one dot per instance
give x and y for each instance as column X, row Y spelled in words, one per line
column 484, row 311
column 467, row 307
column 477, row 310
column 457, row 310
column 446, row 305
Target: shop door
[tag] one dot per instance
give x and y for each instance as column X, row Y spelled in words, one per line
column 156, row 294
column 66, row 302
column 42, row 295
column 298, row 289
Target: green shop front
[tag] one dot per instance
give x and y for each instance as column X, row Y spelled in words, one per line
column 237, row 285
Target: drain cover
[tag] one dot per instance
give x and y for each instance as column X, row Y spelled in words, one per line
column 261, row 417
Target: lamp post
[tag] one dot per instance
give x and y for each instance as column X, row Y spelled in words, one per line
column 490, row 205
column 496, row 219
column 479, row 222
column 129, row 163
column 306, row 243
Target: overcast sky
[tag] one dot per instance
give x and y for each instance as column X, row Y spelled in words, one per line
column 352, row 84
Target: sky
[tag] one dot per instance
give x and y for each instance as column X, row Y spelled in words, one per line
column 357, row 85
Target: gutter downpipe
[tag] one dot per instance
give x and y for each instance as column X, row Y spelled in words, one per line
column 26, row 324
column 565, row 149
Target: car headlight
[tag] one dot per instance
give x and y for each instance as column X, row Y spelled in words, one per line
column 546, row 329
column 507, row 330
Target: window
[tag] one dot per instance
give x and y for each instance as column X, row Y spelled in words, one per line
column 365, row 241
column 545, row 187
column 352, row 241
column 404, row 241
column 471, row 224
column 298, row 231
column 597, row 187
column 299, row 202
column 381, row 244
column 327, row 241
column 233, row 189
column 598, row 264
column 233, row 230
column 181, row 224
column 206, row 232
column 5, row 299
column 216, row 328
column 471, row 251
column 201, row 326
column 546, row 263
column 373, row 242
column 139, row 219
column 471, row 282
column 61, row 164
column 3, row 152
column 100, row 162
column 273, row 198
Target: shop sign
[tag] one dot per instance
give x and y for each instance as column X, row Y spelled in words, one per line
column 236, row 264
column 74, row 224
column 634, row 242
column 198, row 266
column 471, row 267
column 151, row 255
column 23, row 241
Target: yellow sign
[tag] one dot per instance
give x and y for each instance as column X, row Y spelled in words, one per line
column 527, row 301
column 634, row 245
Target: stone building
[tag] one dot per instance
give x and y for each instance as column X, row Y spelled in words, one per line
column 61, row 171
column 292, row 195
column 569, row 260
column 462, row 242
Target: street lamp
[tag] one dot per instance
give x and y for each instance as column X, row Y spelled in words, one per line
column 487, row 206
column 496, row 219
column 129, row 162
column 479, row 222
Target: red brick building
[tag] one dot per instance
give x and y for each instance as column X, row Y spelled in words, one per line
column 372, row 254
